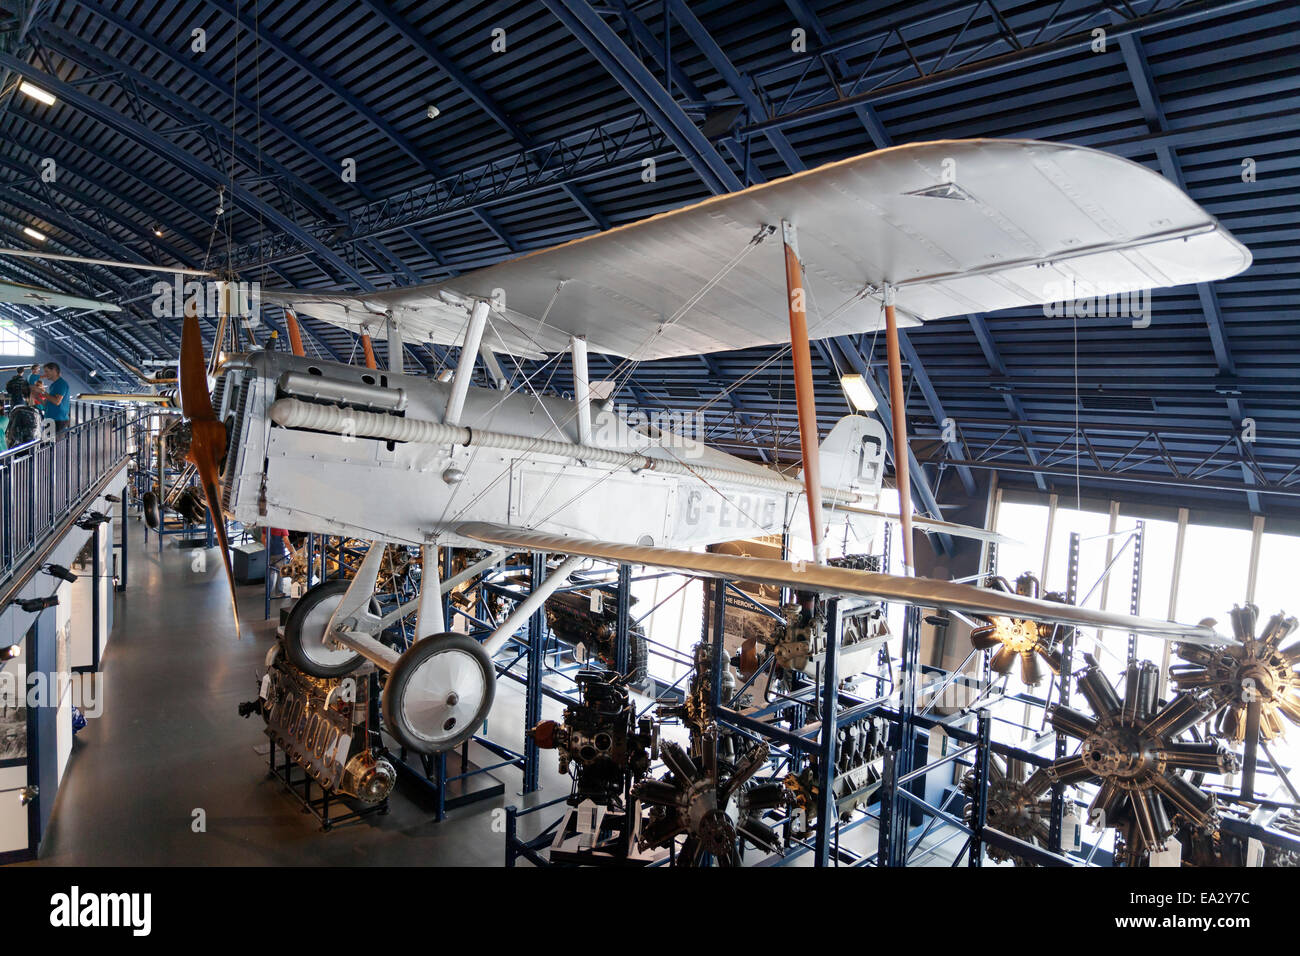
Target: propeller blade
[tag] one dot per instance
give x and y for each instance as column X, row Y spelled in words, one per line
column 207, row 441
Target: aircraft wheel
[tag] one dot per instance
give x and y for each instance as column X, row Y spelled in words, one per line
column 153, row 515
column 439, row 693
column 306, row 626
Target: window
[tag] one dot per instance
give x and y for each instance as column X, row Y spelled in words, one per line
column 1026, row 525
column 1159, row 543
column 1278, row 575
column 14, row 341
column 1216, row 563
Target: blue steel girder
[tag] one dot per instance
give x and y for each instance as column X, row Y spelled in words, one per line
column 643, row 37
column 102, row 66
column 150, row 185
column 183, row 159
column 616, row 145
column 437, row 56
column 103, row 246
column 1144, row 86
column 608, row 48
column 1191, row 457
column 932, row 400
column 61, row 195
column 107, row 277
column 865, row 112
column 263, row 114
column 738, row 84
column 288, row 51
column 993, row 356
column 711, row 365
column 891, row 54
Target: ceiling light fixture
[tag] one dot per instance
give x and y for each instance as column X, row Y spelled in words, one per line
column 433, row 111
column 36, row 93
column 860, row 397
column 38, row 236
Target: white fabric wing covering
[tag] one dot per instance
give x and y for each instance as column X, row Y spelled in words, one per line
column 48, row 298
column 957, row 226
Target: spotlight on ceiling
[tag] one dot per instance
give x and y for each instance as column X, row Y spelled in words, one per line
column 157, row 232
column 860, row 397
column 38, row 94
column 433, row 111
column 38, row 236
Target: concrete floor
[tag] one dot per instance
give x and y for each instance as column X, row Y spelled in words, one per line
column 170, row 742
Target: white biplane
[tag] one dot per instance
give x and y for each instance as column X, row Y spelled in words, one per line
column 892, row 238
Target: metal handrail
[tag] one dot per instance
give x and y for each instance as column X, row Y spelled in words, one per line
column 42, row 482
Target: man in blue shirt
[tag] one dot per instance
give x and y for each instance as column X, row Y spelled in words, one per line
column 57, row 402
column 34, row 375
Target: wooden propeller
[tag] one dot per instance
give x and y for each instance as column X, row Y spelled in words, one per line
column 207, row 439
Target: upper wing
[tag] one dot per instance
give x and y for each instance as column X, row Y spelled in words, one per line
column 923, row 592
column 33, row 295
column 957, row 226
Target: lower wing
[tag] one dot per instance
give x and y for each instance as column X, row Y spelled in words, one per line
column 922, row 592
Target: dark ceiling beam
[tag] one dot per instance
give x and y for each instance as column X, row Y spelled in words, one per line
column 259, row 110
column 115, row 164
column 53, row 192
column 1144, row 86
column 609, row 50
column 980, row 66
column 438, row 57
column 95, row 60
column 182, row 158
column 642, row 35
column 250, row 20
column 715, row 374
column 738, row 84
column 866, row 113
column 993, row 356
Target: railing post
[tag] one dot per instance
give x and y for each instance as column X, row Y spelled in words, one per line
column 6, row 516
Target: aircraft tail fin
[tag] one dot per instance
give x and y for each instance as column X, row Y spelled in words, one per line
column 853, row 456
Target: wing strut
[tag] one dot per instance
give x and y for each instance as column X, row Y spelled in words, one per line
column 801, row 352
column 295, row 333
column 896, row 400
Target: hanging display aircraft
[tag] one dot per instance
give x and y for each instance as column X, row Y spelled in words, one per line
column 892, row 238
column 18, row 293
